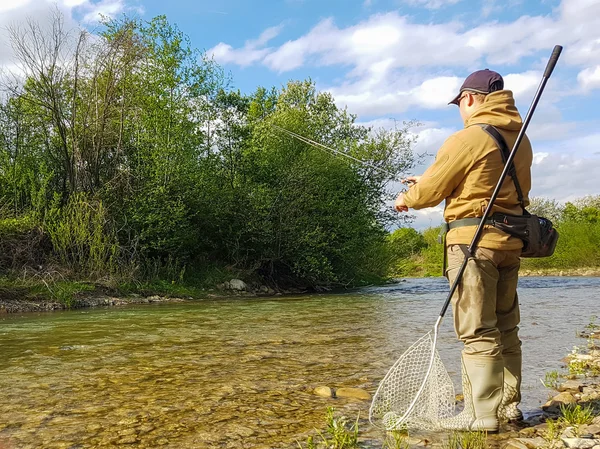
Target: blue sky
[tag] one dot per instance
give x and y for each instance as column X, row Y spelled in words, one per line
column 402, row 60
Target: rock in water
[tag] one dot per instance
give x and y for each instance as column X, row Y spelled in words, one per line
column 356, row 393
column 324, row 391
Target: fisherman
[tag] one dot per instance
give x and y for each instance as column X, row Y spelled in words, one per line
column 485, row 307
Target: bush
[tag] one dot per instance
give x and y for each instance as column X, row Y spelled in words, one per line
column 81, row 237
column 22, row 243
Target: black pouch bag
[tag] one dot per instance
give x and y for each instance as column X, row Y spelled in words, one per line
column 538, row 235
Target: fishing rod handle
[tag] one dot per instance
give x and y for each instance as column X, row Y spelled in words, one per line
column 553, row 60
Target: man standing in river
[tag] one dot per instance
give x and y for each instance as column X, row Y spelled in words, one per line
column 485, row 307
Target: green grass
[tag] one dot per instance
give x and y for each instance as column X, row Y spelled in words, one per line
column 553, row 431
column 396, row 439
column 552, row 380
column 339, row 433
column 45, row 288
column 576, row 415
column 466, row 440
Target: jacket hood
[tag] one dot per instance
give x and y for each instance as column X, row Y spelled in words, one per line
column 498, row 109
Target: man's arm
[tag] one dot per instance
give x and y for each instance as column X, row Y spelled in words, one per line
column 452, row 163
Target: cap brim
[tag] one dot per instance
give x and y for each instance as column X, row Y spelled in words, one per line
column 455, row 101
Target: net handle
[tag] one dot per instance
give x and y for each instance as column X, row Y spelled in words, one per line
column 473, row 246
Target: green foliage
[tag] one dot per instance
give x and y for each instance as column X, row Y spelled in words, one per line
column 80, row 237
column 578, row 246
column 339, row 433
column 10, row 227
column 548, row 208
column 396, row 439
column 467, row 440
column 552, row 380
column 576, row 415
column 553, row 432
column 404, row 244
column 66, row 291
column 132, row 151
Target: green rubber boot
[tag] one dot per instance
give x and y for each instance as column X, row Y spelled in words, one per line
column 482, row 379
column 508, row 410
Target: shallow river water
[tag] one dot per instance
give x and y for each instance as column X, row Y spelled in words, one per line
column 239, row 373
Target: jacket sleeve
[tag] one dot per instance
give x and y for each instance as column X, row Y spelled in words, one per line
column 452, row 163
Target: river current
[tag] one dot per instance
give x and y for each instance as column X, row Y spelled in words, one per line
column 240, row 372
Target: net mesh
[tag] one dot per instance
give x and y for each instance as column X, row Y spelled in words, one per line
column 400, row 387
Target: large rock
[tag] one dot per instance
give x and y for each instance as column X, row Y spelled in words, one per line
column 355, row 393
column 236, row 284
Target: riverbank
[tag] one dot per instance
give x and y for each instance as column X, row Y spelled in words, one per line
column 571, row 417
column 18, row 296
column 584, row 271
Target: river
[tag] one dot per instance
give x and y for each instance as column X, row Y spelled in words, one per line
column 240, row 372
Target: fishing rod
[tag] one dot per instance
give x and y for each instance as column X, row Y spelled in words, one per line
column 327, row 149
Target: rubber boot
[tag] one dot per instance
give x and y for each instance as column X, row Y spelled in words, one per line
column 508, row 410
column 482, row 379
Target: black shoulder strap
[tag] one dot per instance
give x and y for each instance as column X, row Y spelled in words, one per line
column 505, row 152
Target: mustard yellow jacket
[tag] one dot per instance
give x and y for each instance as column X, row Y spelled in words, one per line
column 467, row 168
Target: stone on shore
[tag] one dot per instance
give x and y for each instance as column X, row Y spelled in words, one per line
column 572, row 386
column 561, row 399
column 580, row 443
column 236, row 285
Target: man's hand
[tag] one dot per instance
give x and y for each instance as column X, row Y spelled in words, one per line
column 411, row 180
column 399, row 204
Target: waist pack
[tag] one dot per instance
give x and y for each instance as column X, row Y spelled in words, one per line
column 538, row 235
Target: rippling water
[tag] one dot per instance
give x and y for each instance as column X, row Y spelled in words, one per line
column 239, row 373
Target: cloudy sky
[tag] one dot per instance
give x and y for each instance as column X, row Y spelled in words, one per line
column 400, row 60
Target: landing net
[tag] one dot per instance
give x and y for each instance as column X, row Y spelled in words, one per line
column 408, row 398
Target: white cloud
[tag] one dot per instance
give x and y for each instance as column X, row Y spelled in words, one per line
column 377, row 95
column 428, row 218
column 432, row 4
column 564, row 177
column 74, row 3
column 8, row 5
column 589, row 78
column 538, row 158
column 405, row 44
column 523, row 84
column 105, row 8
column 251, row 52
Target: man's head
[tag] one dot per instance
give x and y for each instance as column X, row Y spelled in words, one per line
column 473, row 91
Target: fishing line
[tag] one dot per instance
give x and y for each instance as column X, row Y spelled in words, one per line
column 327, row 149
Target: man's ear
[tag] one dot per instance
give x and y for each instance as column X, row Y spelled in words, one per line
column 470, row 99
